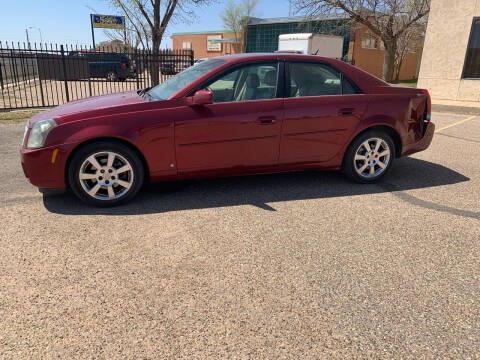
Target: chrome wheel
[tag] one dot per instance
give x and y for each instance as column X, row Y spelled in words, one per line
column 371, row 158
column 106, row 176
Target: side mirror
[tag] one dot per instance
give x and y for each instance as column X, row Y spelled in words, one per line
column 202, row 97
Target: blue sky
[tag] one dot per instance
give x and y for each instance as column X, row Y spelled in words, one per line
column 68, row 21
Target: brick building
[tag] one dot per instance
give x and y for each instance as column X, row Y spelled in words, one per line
column 366, row 52
column 205, row 44
column 360, row 46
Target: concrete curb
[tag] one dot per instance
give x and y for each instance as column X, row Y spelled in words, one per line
column 456, row 109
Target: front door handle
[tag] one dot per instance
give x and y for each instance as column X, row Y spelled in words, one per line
column 266, row 120
column 346, row 111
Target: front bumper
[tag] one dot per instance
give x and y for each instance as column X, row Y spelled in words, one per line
column 43, row 169
column 423, row 143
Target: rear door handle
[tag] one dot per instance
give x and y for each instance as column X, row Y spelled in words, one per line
column 266, row 120
column 346, row 111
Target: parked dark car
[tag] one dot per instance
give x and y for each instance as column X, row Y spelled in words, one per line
column 108, row 65
column 173, row 66
column 231, row 115
column 168, row 67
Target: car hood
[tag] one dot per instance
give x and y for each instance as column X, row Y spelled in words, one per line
column 97, row 104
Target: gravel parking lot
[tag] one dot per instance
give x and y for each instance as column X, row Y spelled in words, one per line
column 299, row 265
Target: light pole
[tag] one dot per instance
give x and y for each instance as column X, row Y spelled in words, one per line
column 39, row 31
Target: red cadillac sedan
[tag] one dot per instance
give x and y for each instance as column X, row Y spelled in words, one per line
column 230, row 115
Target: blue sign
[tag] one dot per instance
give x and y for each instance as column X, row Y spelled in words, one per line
column 108, row 21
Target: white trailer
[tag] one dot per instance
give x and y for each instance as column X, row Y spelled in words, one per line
column 312, row 44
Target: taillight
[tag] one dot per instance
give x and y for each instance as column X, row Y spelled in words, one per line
column 124, row 66
column 428, row 110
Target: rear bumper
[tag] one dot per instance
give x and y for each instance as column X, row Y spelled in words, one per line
column 423, row 143
column 43, row 169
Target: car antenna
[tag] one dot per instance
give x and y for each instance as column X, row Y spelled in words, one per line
column 316, row 52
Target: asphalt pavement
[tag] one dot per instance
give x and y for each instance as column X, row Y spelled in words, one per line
column 299, row 265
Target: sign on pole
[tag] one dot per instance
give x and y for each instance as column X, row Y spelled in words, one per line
column 107, row 22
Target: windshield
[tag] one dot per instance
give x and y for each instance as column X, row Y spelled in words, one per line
column 171, row 86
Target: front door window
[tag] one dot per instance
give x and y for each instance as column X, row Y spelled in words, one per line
column 252, row 82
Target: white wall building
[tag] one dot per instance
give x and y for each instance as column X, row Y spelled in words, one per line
column 450, row 67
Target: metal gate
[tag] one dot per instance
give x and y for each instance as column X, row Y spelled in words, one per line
column 34, row 75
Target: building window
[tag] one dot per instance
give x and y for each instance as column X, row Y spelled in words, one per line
column 472, row 61
column 369, row 43
column 187, row 45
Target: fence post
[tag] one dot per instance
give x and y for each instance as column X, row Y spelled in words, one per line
column 64, row 72
column 14, row 67
column 1, row 76
column 39, row 80
column 89, row 85
column 137, row 67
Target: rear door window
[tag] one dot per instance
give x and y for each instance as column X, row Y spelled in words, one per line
column 317, row 79
column 348, row 88
column 313, row 79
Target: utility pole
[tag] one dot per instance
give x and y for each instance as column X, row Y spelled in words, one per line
column 93, row 32
column 28, row 39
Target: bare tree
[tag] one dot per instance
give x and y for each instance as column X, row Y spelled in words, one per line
column 410, row 41
column 150, row 19
column 136, row 30
column 235, row 17
column 136, row 24
column 131, row 38
column 387, row 19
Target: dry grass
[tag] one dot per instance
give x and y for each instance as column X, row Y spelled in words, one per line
column 17, row 116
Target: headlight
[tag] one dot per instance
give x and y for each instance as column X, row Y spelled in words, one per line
column 39, row 133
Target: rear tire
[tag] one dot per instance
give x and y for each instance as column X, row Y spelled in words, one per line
column 111, row 76
column 106, row 173
column 369, row 156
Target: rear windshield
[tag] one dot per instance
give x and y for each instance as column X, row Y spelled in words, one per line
column 171, row 86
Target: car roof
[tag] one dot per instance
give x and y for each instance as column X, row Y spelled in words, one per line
column 93, row 52
column 274, row 56
column 365, row 81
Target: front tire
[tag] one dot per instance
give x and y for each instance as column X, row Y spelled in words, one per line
column 106, row 173
column 369, row 156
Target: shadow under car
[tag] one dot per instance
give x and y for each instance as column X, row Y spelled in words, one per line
column 259, row 190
